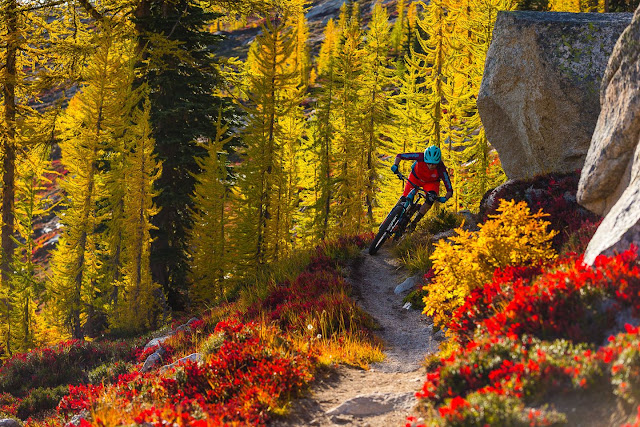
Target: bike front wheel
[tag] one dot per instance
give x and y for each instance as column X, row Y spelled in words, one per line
column 386, row 229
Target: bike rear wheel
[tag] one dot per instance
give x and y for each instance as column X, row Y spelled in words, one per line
column 385, row 230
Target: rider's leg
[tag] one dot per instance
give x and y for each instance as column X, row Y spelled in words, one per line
column 423, row 210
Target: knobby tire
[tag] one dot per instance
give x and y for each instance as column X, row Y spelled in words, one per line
column 384, row 232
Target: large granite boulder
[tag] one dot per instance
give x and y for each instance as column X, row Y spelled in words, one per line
column 539, row 94
column 608, row 166
column 610, row 180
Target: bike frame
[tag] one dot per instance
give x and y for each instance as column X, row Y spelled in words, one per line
column 394, row 225
column 411, row 197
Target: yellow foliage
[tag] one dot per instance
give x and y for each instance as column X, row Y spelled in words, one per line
column 513, row 237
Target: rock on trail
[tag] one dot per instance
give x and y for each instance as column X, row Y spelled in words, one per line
column 383, row 396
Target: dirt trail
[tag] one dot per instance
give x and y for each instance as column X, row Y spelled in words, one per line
column 383, row 395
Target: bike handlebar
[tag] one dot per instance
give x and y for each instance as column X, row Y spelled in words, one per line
column 419, row 189
column 404, row 178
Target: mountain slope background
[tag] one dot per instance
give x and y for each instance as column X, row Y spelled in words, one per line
column 236, row 43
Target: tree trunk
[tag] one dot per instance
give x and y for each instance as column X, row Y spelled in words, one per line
column 9, row 151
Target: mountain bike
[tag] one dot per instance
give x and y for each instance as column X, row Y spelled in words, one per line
column 400, row 216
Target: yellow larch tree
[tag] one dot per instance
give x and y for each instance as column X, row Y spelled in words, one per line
column 28, row 67
column 351, row 172
column 437, row 50
column 268, row 172
column 399, row 34
column 294, row 131
column 25, row 323
column 301, row 58
column 470, row 148
column 323, row 128
column 133, row 310
column 210, row 238
column 377, row 80
column 90, row 129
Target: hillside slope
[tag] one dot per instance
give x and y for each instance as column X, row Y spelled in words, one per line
column 236, row 43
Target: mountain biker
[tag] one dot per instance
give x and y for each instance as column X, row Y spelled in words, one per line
column 427, row 172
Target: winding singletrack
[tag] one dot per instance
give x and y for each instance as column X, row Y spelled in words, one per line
column 382, row 396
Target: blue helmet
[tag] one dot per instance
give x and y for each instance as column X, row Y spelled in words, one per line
column 432, row 155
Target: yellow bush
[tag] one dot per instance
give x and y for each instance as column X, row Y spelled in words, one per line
column 514, row 236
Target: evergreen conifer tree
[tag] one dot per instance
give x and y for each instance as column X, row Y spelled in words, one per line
column 182, row 75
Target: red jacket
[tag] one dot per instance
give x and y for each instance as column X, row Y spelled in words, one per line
column 422, row 176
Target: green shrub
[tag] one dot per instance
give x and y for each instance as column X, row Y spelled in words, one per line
column 212, row 344
column 41, row 399
column 416, row 298
column 108, row 372
column 419, row 259
column 409, row 242
column 63, row 363
column 441, row 219
column 577, row 240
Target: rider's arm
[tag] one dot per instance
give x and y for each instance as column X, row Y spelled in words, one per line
column 408, row 156
column 444, row 176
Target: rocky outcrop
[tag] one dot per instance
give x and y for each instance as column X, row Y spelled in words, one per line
column 156, row 358
column 153, row 360
column 194, row 357
column 608, row 166
column 610, row 180
column 539, row 94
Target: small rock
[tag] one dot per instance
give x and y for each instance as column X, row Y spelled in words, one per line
column 77, row 418
column 406, row 285
column 342, row 419
column 470, row 220
column 407, row 306
column 373, row 404
column 443, row 235
column 153, row 360
column 9, row 422
column 623, row 317
column 195, row 357
column 186, row 326
column 157, row 341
